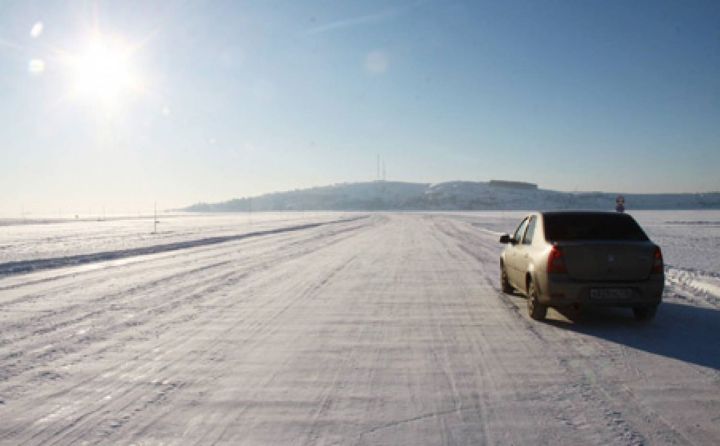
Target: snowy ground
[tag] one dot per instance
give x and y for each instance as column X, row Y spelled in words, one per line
column 59, row 238
column 333, row 329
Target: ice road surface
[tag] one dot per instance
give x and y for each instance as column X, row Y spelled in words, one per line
column 377, row 329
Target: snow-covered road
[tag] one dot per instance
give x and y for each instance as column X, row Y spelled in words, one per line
column 389, row 329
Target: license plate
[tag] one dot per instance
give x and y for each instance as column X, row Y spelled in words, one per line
column 610, row 293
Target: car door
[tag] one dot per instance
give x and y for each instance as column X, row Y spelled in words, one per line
column 523, row 251
column 511, row 254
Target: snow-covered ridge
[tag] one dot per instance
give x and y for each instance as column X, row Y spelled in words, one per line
column 27, row 241
column 453, row 195
column 25, row 266
column 701, row 285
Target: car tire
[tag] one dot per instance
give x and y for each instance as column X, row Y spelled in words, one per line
column 536, row 310
column 644, row 313
column 504, row 282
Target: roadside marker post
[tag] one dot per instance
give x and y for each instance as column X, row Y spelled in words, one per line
column 620, row 203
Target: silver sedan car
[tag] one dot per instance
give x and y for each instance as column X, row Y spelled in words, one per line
column 577, row 259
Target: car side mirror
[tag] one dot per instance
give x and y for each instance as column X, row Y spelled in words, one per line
column 505, row 238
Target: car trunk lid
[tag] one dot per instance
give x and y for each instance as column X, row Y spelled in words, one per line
column 608, row 261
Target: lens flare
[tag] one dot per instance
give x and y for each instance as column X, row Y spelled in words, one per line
column 36, row 66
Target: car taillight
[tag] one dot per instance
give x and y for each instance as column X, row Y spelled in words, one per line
column 657, row 266
column 556, row 261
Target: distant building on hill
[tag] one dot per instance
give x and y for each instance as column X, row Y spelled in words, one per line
column 513, row 184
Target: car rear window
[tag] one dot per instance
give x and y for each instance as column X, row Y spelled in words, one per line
column 569, row 227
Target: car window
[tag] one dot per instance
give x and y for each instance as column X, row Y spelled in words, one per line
column 592, row 226
column 527, row 240
column 520, row 229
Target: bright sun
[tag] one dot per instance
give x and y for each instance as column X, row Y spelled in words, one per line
column 103, row 72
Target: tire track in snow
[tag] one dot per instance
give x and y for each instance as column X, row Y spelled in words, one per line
column 394, row 332
column 307, row 287
column 272, row 260
column 623, row 412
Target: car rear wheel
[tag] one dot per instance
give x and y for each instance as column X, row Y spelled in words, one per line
column 504, row 282
column 644, row 313
column 536, row 310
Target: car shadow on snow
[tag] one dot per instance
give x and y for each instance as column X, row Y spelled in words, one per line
column 681, row 331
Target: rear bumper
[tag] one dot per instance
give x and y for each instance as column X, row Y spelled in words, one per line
column 559, row 290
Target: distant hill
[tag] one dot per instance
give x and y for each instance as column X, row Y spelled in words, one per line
column 454, row 195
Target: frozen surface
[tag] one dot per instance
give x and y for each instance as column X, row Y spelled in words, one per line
column 40, row 239
column 388, row 329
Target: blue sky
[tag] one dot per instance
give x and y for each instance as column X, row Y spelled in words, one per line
column 241, row 98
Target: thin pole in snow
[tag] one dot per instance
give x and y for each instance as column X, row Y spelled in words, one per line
column 377, row 176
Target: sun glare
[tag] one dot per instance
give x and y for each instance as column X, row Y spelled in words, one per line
column 103, row 72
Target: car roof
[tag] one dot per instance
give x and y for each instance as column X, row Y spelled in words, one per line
column 597, row 213
column 582, row 213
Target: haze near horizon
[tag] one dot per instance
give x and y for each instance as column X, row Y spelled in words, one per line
column 118, row 105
